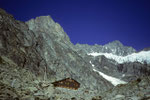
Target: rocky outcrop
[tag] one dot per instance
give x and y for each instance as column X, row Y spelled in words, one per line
column 131, row 71
column 135, row 90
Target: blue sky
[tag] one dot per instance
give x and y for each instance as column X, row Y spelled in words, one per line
column 91, row 21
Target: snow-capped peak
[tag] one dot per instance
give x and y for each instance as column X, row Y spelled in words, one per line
column 143, row 56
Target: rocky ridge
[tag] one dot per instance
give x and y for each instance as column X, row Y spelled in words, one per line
column 115, row 47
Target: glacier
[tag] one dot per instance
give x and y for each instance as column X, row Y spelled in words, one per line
column 143, row 56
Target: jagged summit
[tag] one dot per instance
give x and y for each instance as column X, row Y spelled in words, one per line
column 115, row 47
column 50, row 30
column 42, row 21
column 115, row 43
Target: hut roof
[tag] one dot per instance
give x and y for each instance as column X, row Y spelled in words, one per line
column 67, row 83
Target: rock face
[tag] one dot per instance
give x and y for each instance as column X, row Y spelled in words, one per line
column 41, row 51
column 38, row 52
column 127, row 71
column 59, row 52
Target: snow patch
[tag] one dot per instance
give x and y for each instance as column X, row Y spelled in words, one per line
column 123, row 75
column 91, row 64
column 111, row 79
column 143, row 56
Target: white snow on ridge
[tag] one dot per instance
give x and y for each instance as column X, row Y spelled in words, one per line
column 140, row 57
column 91, row 64
column 111, row 79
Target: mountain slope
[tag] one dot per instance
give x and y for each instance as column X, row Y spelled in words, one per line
column 136, row 90
column 42, row 49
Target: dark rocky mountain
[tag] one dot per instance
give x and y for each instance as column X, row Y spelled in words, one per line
column 38, row 52
column 42, row 49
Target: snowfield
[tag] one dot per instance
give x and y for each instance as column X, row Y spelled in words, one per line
column 143, row 56
column 112, row 80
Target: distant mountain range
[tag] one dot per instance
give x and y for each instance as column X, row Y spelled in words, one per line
column 115, row 47
column 38, row 52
